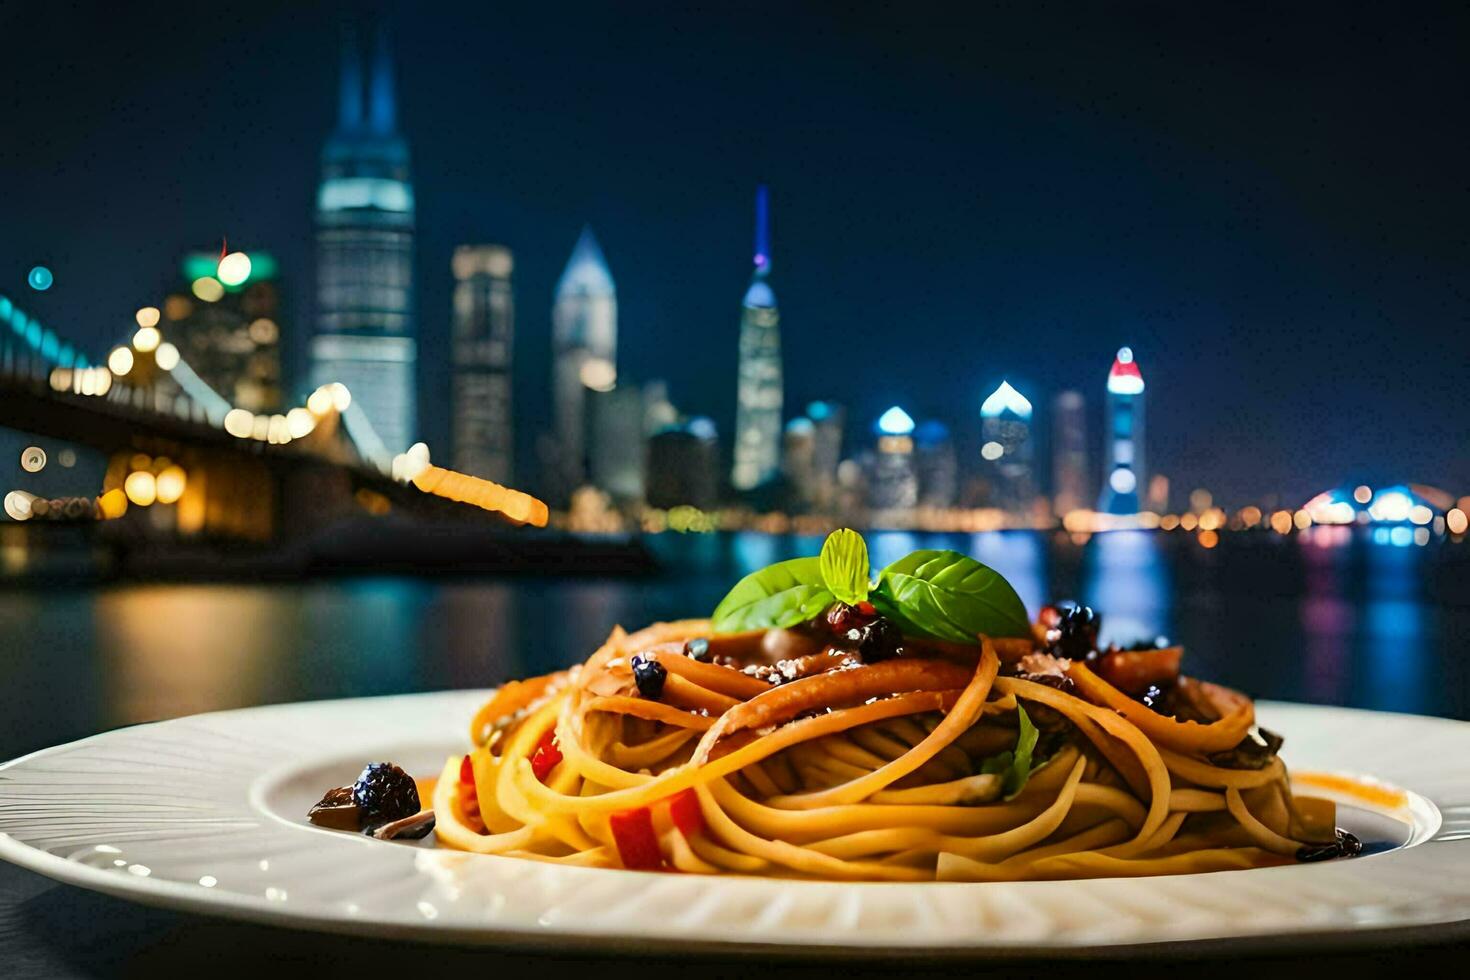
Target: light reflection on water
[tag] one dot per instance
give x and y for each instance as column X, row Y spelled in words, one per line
column 1372, row 625
column 1126, row 579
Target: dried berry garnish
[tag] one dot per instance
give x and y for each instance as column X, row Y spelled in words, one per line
column 697, row 649
column 384, row 792
column 843, row 619
column 650, row 676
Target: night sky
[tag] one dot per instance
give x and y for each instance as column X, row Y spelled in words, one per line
column 1272, row 212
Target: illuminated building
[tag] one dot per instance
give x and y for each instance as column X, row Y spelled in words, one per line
column 828, row 419
column 1069, row 453
column 684, row 466
column 232, row 339
column 616, row 441
column 935, row 465
column 894, row 484
column 483, row 348
column 1005, row 426
column 584, row 339
column 365, row 336
column 798, row 464
column 1125, row 472
column 758, row 394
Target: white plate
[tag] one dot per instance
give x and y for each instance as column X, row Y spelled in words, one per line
column 206, row 814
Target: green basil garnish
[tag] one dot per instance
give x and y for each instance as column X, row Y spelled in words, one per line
column 777, row 596
column 950, row 596
column 1015, row 765
column 943, row 595
column 844, row 564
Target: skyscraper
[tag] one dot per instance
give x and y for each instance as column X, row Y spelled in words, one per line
column 683, row 465
column 365, row 336
column 758, row 392
column 798, row 464
column 1005, row 423
column 894, row 484
column 829, row 419
column 1125, row 471
column 617, row 441
column 584, row 339
column 483, row 348
column 935, row 465
column 1068, row 453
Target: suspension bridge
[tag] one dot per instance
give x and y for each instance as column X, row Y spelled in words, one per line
column 232, row 474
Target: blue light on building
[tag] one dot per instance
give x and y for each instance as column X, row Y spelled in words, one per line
column 365, row 333
column 759, row 391
column 895, row 422
column 1005, row 423
column 1124, row 432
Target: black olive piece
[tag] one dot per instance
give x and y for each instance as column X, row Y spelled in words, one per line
column 697, row 649
column 385, row 792
column 1346, row 845
column 1077, row 632
column 879, row 640
column 649, row 675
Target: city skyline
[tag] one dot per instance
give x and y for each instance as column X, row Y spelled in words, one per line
column 1270, row 350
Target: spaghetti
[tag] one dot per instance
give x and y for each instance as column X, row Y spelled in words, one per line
column 849, row 745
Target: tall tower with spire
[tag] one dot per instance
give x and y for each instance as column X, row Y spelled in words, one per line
column 758, row 393
column 584, row 340
column 365, row 333
column 1125, row 475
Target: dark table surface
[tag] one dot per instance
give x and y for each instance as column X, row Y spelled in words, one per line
column 1366, row 624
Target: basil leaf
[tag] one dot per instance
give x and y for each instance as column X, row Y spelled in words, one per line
column 778, row 595
column 1015, row 765
column 844, row 564
column 951, row 596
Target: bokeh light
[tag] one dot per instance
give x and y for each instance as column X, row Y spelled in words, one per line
column 112, row 504
column 208, row 289
column 40, row 278
column 300, row 422
column 170, row 483
column 141, row 488
column 239, row 423
column 147, row 316
column 234, row 269
column 33, row 459
column 147, row 339
column 167, row 356
column 18, row 505
column 120, row 361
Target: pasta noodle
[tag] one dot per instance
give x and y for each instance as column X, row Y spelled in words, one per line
column 950, row 762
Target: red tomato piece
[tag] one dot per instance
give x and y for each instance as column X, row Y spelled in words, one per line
column 1133, row 671
column 685, row 812
column 636, row 840
column 546, row 756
